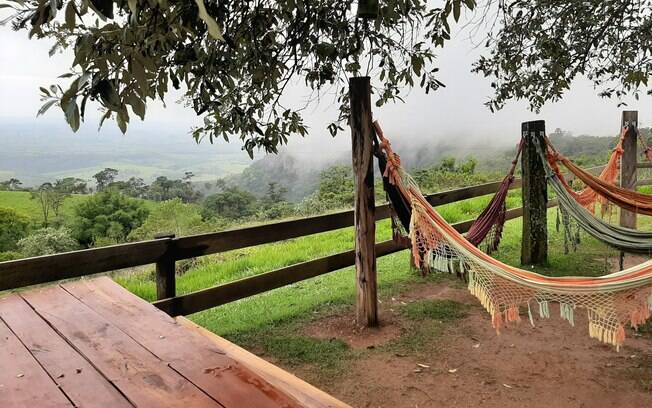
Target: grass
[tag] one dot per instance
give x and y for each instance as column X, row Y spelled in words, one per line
column 22, row 202
column 435, row 309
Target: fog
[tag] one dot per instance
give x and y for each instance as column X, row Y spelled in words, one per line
column 452, row 115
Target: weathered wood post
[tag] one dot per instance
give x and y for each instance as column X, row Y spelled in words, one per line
column 365, row 206
column 628, row 163
column 165, row 271
column 534, row 247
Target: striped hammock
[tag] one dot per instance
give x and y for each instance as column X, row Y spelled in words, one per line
column 610, row 301
column 624, row 239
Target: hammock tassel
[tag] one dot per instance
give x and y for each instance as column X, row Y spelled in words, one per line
column 529, row 314
column 566, row 312
column 544, row 310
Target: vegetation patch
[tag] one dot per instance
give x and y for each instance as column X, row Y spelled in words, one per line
column 299, row 350
column 436, row 309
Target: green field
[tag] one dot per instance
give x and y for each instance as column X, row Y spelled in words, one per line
column 22, row 202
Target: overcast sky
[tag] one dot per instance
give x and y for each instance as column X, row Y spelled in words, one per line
column 455, row 111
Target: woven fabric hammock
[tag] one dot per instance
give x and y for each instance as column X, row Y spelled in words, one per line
column 487, row 227
column 626, row 199
column 610, row 301
column 625, row 239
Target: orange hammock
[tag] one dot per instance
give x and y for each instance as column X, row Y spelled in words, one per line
column 601, row 188
column 587, row 197
column 610, row 301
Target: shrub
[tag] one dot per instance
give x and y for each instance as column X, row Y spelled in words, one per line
column 13, row 227
column 171, row 216
column 107, row 215
column 47, row 241
column 9, row 256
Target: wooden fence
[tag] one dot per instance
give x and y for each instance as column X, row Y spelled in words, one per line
column 165, row 251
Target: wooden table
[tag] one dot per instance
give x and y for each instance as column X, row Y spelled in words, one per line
column 91, row 343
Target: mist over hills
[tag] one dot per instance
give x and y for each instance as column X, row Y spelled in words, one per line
column 38, row 151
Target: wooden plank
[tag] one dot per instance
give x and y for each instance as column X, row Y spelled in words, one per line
column 192, row 356
column 628, row 163
column 306, row 394
column 142, row 377
column 49, row 268
column 23, row 382
column 644, row 165
column 78, row 379
column 645, row 182
column 534, row 247
column 364, row 201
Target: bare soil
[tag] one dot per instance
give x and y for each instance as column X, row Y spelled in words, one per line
column 467, row 365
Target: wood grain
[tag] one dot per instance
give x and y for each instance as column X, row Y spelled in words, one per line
column 142, row 377
column 23, row 382
column 191, row 355
column 80, row 381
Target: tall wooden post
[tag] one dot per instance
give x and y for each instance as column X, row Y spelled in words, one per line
column 628, row 163
column 534, row 247
column 365, row 206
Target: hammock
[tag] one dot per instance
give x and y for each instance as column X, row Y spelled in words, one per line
column 626, row 199
column 625, row 239
column 487, row 227
column 611, row 301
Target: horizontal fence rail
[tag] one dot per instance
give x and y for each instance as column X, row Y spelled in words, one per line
column 229, row 292
column 167, row 250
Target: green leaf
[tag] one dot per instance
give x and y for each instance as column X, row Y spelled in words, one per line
column 71, row 110
column 122, row 119
column 70, row 15
column 213, row 28
column 137, row 105
column 457, row 5
column 47, row 105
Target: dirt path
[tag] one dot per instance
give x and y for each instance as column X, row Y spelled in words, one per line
column 468, row 365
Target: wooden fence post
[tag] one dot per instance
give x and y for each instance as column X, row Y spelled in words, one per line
column 534, row 247
column 628, row 163
column 365, row 206
column 165, row 271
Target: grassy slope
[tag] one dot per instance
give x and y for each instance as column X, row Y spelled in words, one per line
column 22, row 202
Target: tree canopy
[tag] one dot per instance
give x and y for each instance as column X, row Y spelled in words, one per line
column 234, row 60
column 538, row 47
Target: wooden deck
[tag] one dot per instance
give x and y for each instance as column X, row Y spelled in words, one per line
column 90, row 343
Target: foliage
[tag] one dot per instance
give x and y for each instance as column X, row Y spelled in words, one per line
column 13, row 227
column 47, row 241
column 50, row 200
column 336, row 190
column 10, row 256
column 540, row 47
column 449, row 175
column 232, row 203
column 13, row 184
column 173, row 216
column 235, row 59
column 71, row 185
column 107, row 215
column 134, row 187
column 105, row 177
column 163, row 189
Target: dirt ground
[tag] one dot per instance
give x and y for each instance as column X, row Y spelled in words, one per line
column 469, row 365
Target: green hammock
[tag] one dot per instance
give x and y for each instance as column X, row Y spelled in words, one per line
column 624, row 239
